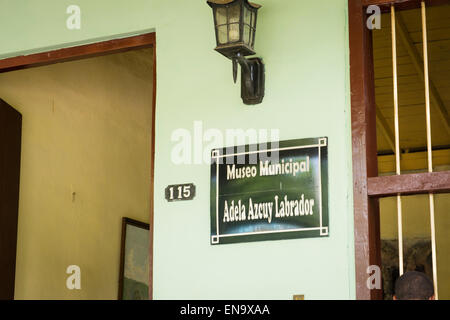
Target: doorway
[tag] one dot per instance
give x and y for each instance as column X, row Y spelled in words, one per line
column 88, row 115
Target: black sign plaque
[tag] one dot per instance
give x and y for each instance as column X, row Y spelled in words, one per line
column 269, row 191
column 180, row 192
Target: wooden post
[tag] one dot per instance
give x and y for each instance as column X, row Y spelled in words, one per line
column 363, row 113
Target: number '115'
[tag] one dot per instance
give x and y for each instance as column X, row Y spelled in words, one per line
column 180, row 192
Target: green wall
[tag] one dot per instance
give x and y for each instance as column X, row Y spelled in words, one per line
column 305, row 47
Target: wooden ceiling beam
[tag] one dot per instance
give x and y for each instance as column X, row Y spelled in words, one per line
column 402, row 4
column 417, row 60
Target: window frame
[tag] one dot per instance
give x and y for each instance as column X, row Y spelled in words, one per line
column 368, row 187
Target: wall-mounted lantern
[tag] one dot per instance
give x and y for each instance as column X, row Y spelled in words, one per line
column 235, row 26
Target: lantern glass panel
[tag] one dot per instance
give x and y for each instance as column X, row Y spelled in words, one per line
column 253, row 23
column 221, row 15
column 222, row 34
column 247, row 34
column 247, row 16
column 234, row 32
column 234, row 13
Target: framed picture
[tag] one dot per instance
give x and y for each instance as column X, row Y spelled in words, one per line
column 134, row 260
